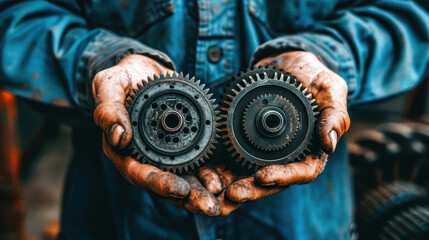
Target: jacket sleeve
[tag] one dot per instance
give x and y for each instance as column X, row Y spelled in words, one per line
column 48, row 53
column 380, row 48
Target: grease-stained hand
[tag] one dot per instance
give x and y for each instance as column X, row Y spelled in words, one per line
column 110, row 89
column 330, row 92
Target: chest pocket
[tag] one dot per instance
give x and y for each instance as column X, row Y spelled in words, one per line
column 129, row 17
column 289, row 16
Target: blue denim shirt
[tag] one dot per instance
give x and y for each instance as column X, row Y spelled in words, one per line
column 50, row 51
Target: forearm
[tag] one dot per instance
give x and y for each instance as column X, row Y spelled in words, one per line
column 50, row 54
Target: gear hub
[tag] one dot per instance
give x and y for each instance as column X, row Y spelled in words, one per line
column 267, row 118
column 173, row 121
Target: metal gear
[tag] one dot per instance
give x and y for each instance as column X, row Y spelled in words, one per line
column 173, row 119
column 396, row 210
column 283, row 122
column 267, row 118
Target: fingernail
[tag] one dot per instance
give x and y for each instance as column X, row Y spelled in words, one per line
column 116, row 134
column 334, row 138
column 267, row 184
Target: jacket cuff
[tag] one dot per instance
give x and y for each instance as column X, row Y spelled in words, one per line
column 334, row 54
column 105, row 51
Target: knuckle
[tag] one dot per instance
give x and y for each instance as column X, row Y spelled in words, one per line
column 102, row 76
column 319, row 82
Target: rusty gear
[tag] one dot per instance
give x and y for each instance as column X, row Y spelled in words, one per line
column 173, row 120
column 267, row 118
column 284, row 125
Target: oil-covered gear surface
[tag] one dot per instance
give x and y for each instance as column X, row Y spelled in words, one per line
column 267, row 118
column 173, row 121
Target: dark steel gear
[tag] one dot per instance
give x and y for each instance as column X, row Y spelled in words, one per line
column 173, row 120
column 396, row 210
column 267, row 118
column 390, row 167
column 281, row 117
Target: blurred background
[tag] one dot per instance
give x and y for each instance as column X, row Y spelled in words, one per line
column 388, row 143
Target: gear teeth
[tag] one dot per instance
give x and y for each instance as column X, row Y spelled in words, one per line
column 242, row 81
column 209, row 146
column 269, row 147
column 234, row 153
column 252, row 80
column 135, row 91
column 140, row 87
column 234, row 91
column 186, row 78
column 230, row 97
column 266, row 76
column 305, row 91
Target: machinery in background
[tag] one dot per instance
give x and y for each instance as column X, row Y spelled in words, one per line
column 391, row 181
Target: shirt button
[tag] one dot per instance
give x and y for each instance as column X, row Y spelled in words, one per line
column 214, row 54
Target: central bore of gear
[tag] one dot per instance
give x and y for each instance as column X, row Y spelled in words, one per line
column 171, row 121
column 272, row 121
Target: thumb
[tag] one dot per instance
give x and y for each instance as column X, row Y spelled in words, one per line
column 110, row 88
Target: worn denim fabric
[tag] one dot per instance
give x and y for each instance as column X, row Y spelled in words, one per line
column 50, row 51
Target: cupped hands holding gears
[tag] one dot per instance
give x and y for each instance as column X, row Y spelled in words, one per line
column 330, row 92
column 110, row 90
column 219, row 190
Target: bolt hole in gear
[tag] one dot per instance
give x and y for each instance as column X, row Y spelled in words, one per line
column 267, row 117
column 173, row 122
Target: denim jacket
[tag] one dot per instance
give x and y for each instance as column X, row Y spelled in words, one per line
column 51, row 50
